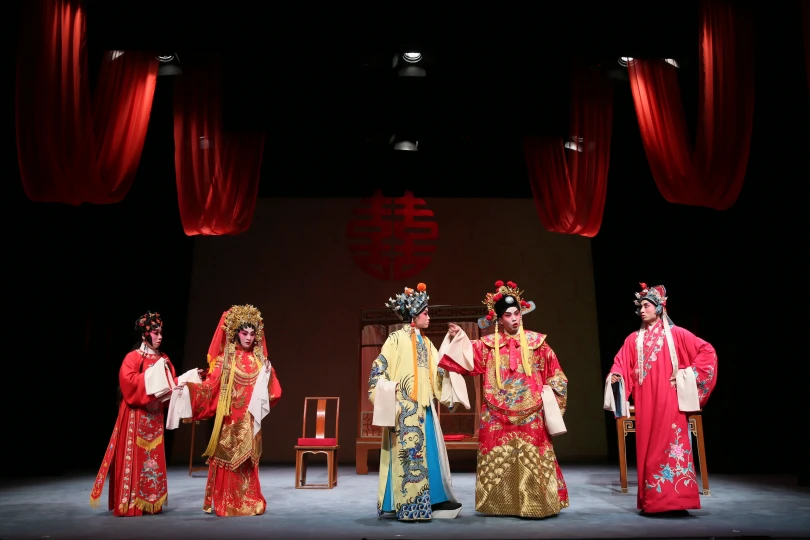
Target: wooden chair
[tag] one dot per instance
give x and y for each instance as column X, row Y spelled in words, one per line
column 627, row 425
column 191, row 468
column 320, row 444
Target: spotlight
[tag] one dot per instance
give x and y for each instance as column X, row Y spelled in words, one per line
column 412, row 57
column 672, row 62
column 570, row 145
column 404, row 143
column 169, row 64
column 407, row 146
column 625, row 61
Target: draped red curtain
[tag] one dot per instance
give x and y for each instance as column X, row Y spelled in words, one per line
column 711, row 175
column 72, row 147
column 805, row 7
column 569, row 188
column 217, row 173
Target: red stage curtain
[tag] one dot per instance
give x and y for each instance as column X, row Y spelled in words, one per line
column 713, row 174
column 74, row 148
column 217, row 173
column 570, row 187
column 805, row 7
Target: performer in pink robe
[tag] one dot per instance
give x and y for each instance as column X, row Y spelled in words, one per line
column 670, row 372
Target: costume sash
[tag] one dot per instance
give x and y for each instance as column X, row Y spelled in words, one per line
column 98, row 486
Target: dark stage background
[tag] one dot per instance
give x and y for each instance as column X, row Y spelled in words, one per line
column 76, row 278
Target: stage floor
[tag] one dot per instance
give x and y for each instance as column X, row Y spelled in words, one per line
column 57, row 508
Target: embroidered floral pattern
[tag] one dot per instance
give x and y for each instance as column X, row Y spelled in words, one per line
column 704, row 384
column 153, row 481
column 653, row 342
column 679, row 467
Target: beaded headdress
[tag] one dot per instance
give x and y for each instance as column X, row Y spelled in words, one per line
column 239, row 316
column 409, row 303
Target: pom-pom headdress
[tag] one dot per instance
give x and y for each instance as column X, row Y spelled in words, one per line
column 148, row 322
column 657, row 296
column 507, row 295
column 409, row 303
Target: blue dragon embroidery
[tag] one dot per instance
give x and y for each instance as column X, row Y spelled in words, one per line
column 413, row 458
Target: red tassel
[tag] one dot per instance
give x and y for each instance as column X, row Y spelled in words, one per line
column 413, row 324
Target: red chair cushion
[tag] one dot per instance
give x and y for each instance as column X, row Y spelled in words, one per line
column 455, row 437
column 312, row 441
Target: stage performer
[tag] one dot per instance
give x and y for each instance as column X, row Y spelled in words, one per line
column 525, row 395
column 415, row 482
column 238, row 392
column 669, row 372
column 135, row 457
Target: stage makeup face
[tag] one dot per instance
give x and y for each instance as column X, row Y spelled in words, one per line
column 246, row 337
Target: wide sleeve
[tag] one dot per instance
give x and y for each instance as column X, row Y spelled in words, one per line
column 380, row 368
column 274, row 387
column 479, row 364
column 205, row 395
column 624, row 365
column 554, row 377
column 698, row 354
column 131, row 381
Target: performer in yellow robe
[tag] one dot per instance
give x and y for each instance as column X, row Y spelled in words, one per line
column 414, row 472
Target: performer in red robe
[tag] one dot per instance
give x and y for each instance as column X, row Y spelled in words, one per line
column 135, row 457
column 669, row 372
column 238, row 354
column 517, row 471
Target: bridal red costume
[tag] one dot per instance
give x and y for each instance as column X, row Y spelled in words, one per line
column 233, row 487
column 135, row 458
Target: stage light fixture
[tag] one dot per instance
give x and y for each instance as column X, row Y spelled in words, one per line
column 672, row 62
column 169, row 64
column 412, row 57
column 625, row 61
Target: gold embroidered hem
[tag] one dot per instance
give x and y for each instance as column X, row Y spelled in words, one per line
column 515, row 479
column 150, row 507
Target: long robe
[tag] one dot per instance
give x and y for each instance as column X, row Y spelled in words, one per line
column 664, row 456
column 517, row 470
column 135, row 458
column 233, row 487
column 409, row 485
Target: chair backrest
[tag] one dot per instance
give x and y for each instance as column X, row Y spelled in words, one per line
column 320, row 416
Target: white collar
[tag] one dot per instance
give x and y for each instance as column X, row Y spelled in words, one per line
column 144, row 348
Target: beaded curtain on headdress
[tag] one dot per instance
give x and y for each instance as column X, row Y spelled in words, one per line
column 407, row 306
column 222, row 344
column 507, row 295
